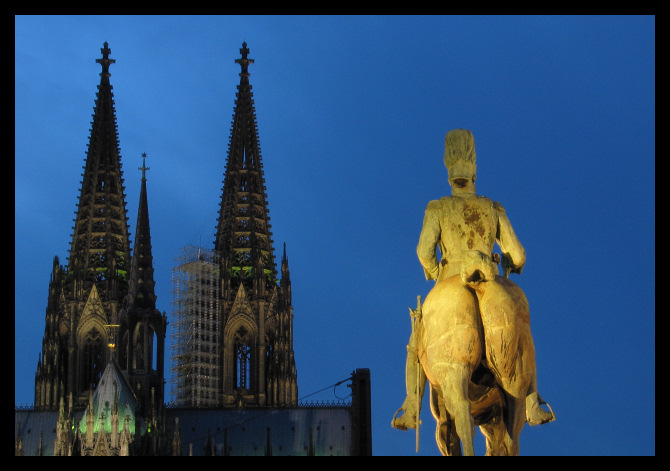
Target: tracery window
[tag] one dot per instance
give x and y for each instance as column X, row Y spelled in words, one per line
column 138, row 345
column 242, row 359
column 93, row 358
column 122, row 350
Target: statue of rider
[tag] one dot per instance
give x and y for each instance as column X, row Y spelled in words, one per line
column 464, row 227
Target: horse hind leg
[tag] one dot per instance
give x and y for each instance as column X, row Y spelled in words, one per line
column 445, row 434
column 453, row 348
column 448, row 442
column 454, row 387
column 514, row 421
column 494, row 432
column 494, row 436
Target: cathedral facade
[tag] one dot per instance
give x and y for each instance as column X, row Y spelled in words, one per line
column 100, row 379
column 103, row 295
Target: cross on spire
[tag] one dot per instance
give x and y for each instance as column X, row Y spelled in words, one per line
column 144, row 168
column 105, row 61
column 244, row 61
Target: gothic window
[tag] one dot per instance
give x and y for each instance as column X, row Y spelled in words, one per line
column 98, row 226
column 242, row 224
column 269, row 353
column 242, row 258
column 97, row 242
column 101, row 275
column 97, row 259
column 122, row 350
column 93, row 358
column 258, row 211
column 117, row 244
column 138, row 345
column 120, row 260
column 154, row 351
column 242, row 359
column 242, row 240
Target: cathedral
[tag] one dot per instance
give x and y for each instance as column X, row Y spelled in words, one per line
column 100, row 379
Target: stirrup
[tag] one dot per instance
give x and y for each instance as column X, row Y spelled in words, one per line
column 546, row 420
column 399, row 422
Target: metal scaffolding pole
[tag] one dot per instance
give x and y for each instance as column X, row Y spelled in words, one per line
column 195, row 358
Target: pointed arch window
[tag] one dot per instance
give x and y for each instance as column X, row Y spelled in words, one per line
column 138, row 344
column 93, row 358
column 123, row 351
column 154, row 350
column 242, row 359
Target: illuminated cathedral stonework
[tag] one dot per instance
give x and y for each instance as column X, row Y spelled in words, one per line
column 258, row 366
column 99, row 385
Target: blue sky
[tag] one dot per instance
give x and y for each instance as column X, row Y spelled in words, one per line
column 352, row 113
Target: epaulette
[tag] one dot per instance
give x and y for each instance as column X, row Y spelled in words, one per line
column 434, row 205
column 498, row 207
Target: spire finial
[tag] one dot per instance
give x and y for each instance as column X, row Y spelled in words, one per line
column 244, row 61
column 144, row 168
column 105, row 61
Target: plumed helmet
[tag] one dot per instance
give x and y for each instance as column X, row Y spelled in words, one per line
column 459, row 155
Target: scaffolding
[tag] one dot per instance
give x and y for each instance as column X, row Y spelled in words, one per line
column 195, row 310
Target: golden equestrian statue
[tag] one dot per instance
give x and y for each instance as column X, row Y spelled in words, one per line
column 471, row 336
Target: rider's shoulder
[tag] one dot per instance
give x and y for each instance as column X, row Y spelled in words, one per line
column 436, row 205
column 498, row 207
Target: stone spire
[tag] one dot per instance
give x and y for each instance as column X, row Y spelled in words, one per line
column 141, row 281
column 86, row 294
column 256, row 316
column 243, row 236
column 142, row 327
column 100, row 249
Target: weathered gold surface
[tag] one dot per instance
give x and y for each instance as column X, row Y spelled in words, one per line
column 472, row 335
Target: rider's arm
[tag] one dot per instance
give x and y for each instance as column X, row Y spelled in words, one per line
column 509, row 244
column 430, row 235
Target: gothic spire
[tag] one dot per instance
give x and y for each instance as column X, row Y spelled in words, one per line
column 243, row 237
column 94, row 283
column 141, row 281
column 285, row 282
column 257, row 362
column 142, row 326
column 100, row 249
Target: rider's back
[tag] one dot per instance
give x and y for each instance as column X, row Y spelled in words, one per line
column 464, row 229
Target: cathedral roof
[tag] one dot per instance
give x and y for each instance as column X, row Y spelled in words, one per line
column 297, row 431
column 112, row 394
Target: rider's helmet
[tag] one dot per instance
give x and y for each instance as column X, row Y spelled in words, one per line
column 460, row 155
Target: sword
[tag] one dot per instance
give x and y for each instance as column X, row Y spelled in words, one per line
column 417, row 316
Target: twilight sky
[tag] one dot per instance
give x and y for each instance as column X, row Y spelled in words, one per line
column 352, row 112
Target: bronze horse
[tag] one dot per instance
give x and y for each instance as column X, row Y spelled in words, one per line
column 477, row 352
